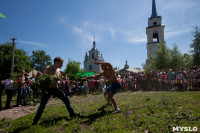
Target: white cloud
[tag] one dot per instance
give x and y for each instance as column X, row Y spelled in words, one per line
column 137, row 40
column 170, row 34
column 78, row 30
column 112, row 33
column 85, row 38
column 134, row 37
column 33, row 43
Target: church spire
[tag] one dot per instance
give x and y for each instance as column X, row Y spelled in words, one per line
column 154, row 12
column 94, row 43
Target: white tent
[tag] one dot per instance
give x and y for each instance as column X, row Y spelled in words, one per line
column 32, row 72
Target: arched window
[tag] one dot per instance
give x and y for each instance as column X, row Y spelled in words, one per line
column 154, row 23
column 155, row 36
column 92, row 55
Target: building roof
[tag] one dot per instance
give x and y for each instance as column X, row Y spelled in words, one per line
column 128, row 70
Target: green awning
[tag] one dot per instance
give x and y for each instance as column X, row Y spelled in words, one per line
column 87, row 74
column 78, row 73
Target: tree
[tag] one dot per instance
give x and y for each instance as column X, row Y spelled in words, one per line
column 166, row 58
column 72, row 67
column 40, row 60
column 162, row 58
column 83, row 70
column 187, row 60
column 195, row 46
column 116, row 68
column 21, row 59
column 176, row 58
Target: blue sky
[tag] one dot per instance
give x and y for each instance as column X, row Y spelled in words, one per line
column 66, row 28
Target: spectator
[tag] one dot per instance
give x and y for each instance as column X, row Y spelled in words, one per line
column 171, row 78
column 85, row 84
column 124, row 83
column 9, row 86
column 180, row 79
column 191, row 77
column 21, row 88
column 130, row 79
column 101, row 84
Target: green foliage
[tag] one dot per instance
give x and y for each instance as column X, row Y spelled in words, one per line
column 187, row 60
column 195, row 46
column 21, row 60
column 163, row 56
column 168, row 59
column 42, row 85
column 176, row 58
column 72, row 67
column 95, row 72
column 83, row 70
column 40, row 60
column 74, row 77
column 116, row 68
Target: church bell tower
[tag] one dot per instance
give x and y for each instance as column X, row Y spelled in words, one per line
column 155, row 32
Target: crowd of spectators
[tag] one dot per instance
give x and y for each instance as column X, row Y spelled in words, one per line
column 181, row 79
column 22, row 86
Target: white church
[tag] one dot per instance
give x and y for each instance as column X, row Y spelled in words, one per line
column 94, row 55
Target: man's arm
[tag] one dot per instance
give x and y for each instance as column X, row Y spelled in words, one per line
column 95, row 76
column 102, row 63
column 106, row 64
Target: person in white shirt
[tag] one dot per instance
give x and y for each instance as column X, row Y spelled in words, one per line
column 9, row 86
column 101, row 83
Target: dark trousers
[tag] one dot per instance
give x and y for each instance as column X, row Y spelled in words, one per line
column 21, row 95
column 0, row 97
column 9, row 94
column 44, row 99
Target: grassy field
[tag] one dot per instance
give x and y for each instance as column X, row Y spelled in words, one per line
column 12, row 103
column 157, row 112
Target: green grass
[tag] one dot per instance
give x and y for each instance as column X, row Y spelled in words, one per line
column 12, row 103
column 154, row 111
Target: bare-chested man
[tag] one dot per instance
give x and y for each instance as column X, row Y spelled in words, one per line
column 109, row 73
column 54, row 71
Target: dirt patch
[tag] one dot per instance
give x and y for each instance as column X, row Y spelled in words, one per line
column 16, row 112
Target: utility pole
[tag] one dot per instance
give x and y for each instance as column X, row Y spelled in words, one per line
column 12, row 61
column 1, row 87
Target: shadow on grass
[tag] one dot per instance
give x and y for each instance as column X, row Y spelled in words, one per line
column 95, row 116
column 20, row 129
column 90, row 119
column 52, row 122
column 45, row 123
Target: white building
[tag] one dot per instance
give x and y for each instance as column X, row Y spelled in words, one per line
column 94, row 55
